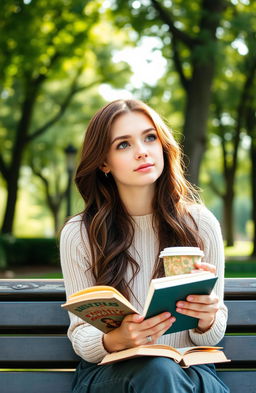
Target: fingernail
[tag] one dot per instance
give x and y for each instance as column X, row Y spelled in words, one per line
column 190, row 298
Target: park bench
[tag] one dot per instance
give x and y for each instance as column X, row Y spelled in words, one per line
column 37, row 357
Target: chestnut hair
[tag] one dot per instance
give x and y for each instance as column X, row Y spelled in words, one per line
column 110, row 228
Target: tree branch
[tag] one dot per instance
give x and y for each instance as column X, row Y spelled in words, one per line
column 178, row 64
column 167, row 19
column 44, row 180
column 62, row 109
column 74, row 89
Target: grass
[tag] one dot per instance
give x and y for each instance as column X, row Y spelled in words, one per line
column 238, row 264
column 240, row 249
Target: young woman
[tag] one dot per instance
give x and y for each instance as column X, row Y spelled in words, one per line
column 137, row 202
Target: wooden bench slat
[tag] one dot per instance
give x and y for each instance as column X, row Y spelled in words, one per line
column 241, row 315
column 39, row 382
column 44, row 349
column 240, row 348
column 52, row 382
column 49, row 314
column 240, row 288
column 35, row 289
column 238, row 381
column 235, row 288
column 32, row 315
column 52, row 349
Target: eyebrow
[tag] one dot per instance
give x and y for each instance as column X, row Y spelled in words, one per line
column 129, row 136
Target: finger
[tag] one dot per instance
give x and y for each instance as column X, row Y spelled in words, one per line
column 154, row 321
column 135, row 318
column 208, row 302
column 158, row 330
column 206, row 266
column 203, row 299
column 185, row 308
column 160, row 327
column 195, row 314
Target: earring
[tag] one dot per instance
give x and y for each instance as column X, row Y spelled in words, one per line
column 106, row 174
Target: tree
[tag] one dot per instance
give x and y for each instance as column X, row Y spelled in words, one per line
column 188, row 32
column 47, row 160
column 42, row 43
column 232, row 99
column 250, row 125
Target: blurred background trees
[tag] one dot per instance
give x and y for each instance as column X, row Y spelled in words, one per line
column 194, row 62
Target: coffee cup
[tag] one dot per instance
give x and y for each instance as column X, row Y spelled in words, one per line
column 180, row 260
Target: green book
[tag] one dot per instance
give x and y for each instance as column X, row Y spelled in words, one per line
column 164, row 294
column 104, row 307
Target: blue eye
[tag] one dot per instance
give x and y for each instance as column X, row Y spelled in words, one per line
column 122, row 145
column 151, row 137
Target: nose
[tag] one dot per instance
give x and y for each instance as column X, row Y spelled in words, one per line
column 141, row 155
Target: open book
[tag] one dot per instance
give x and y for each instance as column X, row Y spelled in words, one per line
column 184, row 356
column 104, row 307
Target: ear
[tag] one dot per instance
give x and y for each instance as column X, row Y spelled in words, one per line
column 104, row 168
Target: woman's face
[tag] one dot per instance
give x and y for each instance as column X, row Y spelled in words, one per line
column 135, row 157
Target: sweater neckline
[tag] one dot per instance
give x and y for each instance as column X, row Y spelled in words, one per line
column 143, row 222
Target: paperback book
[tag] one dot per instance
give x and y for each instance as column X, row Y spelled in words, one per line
column 104, row 307
column 184, row 356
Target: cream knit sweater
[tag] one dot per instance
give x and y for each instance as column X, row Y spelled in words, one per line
column 75, row 262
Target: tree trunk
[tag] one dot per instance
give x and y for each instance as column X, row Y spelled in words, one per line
column 196, row 115
column 12, row 192
column 199, row 87
column 228, row 212
column 253, row 179
column 17, row 155
column 56, row 221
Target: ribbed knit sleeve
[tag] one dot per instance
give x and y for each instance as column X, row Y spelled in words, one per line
column 75, row 262
column 210, row 232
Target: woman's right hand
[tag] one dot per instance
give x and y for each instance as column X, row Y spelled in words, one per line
column 134, row 331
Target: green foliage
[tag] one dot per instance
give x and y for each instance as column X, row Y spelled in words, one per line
column 50, row 53
column 29, row 252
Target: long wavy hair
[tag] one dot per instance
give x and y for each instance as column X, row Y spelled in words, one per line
column 110, row 228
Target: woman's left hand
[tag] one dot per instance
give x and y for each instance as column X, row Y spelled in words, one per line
column 203, row 307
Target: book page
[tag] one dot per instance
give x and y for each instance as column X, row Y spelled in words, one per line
column 203, row 348
column 96, row 288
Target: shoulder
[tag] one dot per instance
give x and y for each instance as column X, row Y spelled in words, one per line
column 203, row 216
column 74, row 234
column 71, row 228
column 208, row 226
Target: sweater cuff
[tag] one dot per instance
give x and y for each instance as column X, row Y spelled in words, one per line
column 212, row 336
column 87, row 342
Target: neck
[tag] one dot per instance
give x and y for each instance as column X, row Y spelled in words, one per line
column 138, row 201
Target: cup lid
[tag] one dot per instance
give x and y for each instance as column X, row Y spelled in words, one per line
column 170, row 251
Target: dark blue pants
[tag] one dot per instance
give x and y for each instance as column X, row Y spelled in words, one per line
column 146, row 375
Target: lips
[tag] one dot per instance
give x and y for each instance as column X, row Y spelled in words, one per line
column 144, row 166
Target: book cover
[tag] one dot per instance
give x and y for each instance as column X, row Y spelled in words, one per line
column 184, row 356
column 165, row 299
column 105, row 310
